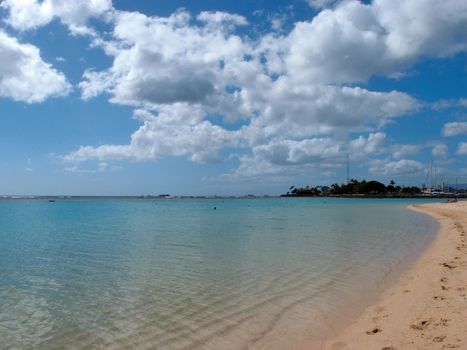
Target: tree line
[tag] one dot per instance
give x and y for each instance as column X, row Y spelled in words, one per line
column 354, row 187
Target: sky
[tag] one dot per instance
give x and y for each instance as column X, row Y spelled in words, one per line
column 131, row 97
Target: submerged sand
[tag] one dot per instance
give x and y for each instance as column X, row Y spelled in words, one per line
column 427, row 308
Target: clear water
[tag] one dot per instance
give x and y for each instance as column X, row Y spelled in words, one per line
column 177, row 274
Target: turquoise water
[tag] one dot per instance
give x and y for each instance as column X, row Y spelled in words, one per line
column 177, row 274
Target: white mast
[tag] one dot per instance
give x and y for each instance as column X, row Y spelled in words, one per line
column 348, row 169
column 431, row 174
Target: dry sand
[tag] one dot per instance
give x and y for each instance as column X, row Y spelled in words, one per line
column 427, row 307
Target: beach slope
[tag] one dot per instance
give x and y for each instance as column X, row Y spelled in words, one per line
column 427, row 307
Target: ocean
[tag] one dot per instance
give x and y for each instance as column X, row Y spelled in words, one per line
column 196, row 273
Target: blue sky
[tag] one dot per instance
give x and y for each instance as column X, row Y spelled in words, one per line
column 229, row 97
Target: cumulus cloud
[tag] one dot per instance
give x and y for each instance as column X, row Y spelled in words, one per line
column 30, row 14
column 440, row 150
column 321, row 4
column 323, row 151
column 401, row 151
column 399, row 167
column 165, row 60
column 300, row 110
column 449, row 103
column 24, row 76
column 176, row 131
column 372, row 145
column 354, row 40
column 454, row 128
column 462, row 148
column 299, row 152
column 169, row 60
column 321, row 154
column 296, row 94
column 222, row 20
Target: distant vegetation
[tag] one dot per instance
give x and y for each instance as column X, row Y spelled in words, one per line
column 355, row 188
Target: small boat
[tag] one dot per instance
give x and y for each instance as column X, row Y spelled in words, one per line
column 51, row 200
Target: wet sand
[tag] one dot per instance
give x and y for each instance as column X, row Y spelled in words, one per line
column 427, row 307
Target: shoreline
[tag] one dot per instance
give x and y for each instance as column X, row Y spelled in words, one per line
column 427, row 307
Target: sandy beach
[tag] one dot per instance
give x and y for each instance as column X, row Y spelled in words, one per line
column 427, row 307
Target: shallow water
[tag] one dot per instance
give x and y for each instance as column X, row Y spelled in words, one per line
column 176, row 274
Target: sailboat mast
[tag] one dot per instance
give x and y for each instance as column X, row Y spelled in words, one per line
column 348, row 169
column 431, row 174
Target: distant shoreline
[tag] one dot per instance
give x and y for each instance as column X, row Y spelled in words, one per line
column 141, row 197
column 168, row 197
column 358, row 195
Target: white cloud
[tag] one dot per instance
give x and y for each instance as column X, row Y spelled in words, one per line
column 299, row 152
column 160, row 61
column 319, row 155
column 440, row 150
column 101, row 167
column 321, row 4
column 29, row 163
column 300, row 110
column 165, row 60
column 77, row 170
column 24, row 76
column 371, row 145
column 256, row 167
column 176, row 131
column 30, row 14
column 296, row 93
column 164, row 63
column 401, row 151
column 400, row 167
column 104, row 166
column 354, row 41
column 449, row 103
column 222, row 20
column 277, row 22
column 454, row 128
column 462, row 148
